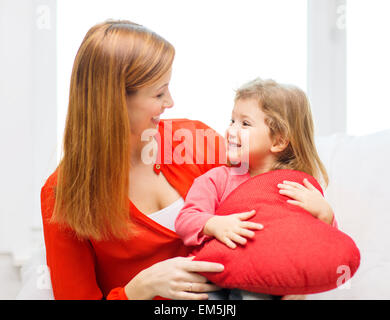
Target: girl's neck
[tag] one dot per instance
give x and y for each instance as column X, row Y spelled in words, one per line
column 257, row 171
column 260, row 168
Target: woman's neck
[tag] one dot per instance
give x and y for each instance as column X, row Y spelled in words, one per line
column 143, row 153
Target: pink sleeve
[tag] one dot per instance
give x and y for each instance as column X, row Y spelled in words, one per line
column 200, row 205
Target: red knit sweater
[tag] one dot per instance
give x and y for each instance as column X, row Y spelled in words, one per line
column 90, row 269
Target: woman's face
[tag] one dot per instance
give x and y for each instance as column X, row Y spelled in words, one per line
column 147, row 104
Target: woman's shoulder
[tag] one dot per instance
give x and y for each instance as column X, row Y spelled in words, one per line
column 51, row 181
column 48, row 194
column 191, row 142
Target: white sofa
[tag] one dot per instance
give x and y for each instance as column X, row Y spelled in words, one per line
column 359, row 192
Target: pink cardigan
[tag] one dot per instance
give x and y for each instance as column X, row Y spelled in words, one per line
column 203, row 200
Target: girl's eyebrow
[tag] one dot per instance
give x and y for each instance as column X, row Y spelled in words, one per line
column 164, row 85
column 246, row 116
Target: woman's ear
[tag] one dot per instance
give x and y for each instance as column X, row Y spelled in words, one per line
column 279, row 144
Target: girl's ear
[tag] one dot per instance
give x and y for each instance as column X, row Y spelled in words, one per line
column 279, row 144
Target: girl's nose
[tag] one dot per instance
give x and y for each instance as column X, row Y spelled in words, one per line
column 232, row 131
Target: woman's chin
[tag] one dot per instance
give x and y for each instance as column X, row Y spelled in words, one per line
column 155, row 121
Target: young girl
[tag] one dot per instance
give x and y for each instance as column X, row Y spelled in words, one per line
column 277, row 120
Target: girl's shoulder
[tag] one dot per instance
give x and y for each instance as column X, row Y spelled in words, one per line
column 223, row 176
column 221, row 172
column 229, row 172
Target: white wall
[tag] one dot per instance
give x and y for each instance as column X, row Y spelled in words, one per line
column 327, row 56
column 220, row 44
column 27, row 117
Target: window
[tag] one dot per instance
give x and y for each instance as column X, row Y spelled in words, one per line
column 368, row 52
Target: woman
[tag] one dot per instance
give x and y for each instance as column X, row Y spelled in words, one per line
column 119, row 89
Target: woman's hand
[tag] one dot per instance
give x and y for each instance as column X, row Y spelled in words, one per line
column 175, row 278
column 307, row 197
column 232, row 229
column 294, row 297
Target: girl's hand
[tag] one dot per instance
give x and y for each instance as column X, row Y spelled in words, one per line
column 175, row 278
column 232, row 228
column 309, row 198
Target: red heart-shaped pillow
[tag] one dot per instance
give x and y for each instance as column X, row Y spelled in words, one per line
column 295, row 253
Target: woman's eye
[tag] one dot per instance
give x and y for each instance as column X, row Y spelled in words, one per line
column 160, row 95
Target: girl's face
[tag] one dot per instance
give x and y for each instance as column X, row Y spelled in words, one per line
column 147, row 104
column 248, row 137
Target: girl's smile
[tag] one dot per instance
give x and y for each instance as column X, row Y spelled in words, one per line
column 248, row 137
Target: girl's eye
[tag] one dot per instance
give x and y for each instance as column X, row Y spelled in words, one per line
column 231, row 121
column 246, row 124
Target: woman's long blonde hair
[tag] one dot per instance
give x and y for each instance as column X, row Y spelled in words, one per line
column 115, row 59
column 289, row 118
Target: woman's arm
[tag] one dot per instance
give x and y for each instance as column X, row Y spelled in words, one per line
column 71, row 261
column 175, row 278
column 72, row 267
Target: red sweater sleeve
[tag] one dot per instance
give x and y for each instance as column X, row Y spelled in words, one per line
column 117, row 294
column 71, row 261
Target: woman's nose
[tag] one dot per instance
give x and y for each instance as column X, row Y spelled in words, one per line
column 168, row 103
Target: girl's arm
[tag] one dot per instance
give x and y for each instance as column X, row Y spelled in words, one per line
column 197, row 221
column 232, row 228
column 309, row 198
column 201, row 202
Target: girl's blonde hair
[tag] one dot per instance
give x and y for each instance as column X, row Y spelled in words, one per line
column 115, row 59
column 289, row 118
